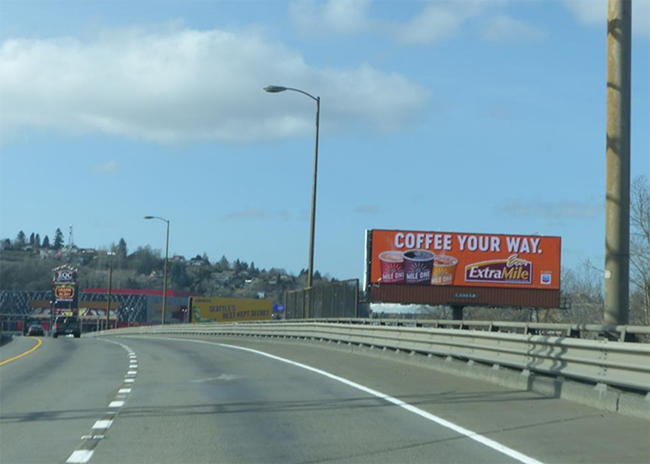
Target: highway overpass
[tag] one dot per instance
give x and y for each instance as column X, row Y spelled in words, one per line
column 209, row 399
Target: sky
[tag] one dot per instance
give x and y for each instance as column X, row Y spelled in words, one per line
column 483, row 116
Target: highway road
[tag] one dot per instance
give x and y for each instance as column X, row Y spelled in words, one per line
column 146, row 399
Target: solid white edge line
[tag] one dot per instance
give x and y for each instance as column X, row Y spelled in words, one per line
column 80, row 456
column 433, row 418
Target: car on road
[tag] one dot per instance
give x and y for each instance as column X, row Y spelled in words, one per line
column 66, row 325
column 35, row 329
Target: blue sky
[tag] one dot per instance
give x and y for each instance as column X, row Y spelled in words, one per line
column 463, row 116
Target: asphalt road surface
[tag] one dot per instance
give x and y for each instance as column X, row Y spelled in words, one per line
column 233, row 400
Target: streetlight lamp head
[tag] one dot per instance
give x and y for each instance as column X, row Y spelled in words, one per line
column 274, row 88
column 148, row 217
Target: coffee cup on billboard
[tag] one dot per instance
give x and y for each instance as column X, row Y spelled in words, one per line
column 392, row 267
column 444, row 269
column 418, row 265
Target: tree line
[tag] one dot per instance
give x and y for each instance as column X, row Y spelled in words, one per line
column 25, row 269
column 34, row 241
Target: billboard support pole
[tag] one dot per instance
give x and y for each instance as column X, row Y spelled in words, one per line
column 457, row 313
column 617, row 199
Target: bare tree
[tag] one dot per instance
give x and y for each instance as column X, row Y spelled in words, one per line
column 640, row 251
column 585, row 288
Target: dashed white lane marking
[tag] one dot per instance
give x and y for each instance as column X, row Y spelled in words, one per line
column 102, row 424
column 415, row 410
column 129, row 380
column 131, row 372
column 124, row 390
column 80, row 456
column 116, row 404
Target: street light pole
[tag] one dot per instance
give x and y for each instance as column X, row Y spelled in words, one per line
column 617, row 197
column 110, row 286
column 164, row 302
column 312, row 232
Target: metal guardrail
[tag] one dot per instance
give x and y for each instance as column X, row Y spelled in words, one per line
column 616, row 363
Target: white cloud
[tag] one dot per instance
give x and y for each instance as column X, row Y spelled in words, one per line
column 507, row 29
column 341, row 16
column 588, row 11
column 183, row 85
column 594, row 12
column 437, row 21
column 285, row 215
column 108, row 167
column 368, row 209
column 249, row 213
column 565, row 209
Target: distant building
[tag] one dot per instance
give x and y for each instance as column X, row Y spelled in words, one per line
column 143, row 306
column 46, row 253
column 198, row 261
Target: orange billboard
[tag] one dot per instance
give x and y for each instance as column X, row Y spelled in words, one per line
column 464, row 259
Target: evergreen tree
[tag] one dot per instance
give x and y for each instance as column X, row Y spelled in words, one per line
column 31, row 239
column 46, row 242
column 21, row 240
column 37, row 241
column 121, row 250
column 224, row 264
column 254, row 272
column 58, row 239
column 178, row 276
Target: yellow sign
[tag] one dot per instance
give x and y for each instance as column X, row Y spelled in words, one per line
column 230, row 309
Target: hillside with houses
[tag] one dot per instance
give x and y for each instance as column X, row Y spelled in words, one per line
column 26, row 263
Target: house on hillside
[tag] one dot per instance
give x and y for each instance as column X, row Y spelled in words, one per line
column 224, row 277
column 198, row 261
column 46, row 253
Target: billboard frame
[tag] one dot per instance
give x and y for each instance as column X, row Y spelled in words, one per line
column 458, row 296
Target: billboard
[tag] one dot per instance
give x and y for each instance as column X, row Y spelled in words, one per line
column 230, row 309
column 442, row 259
